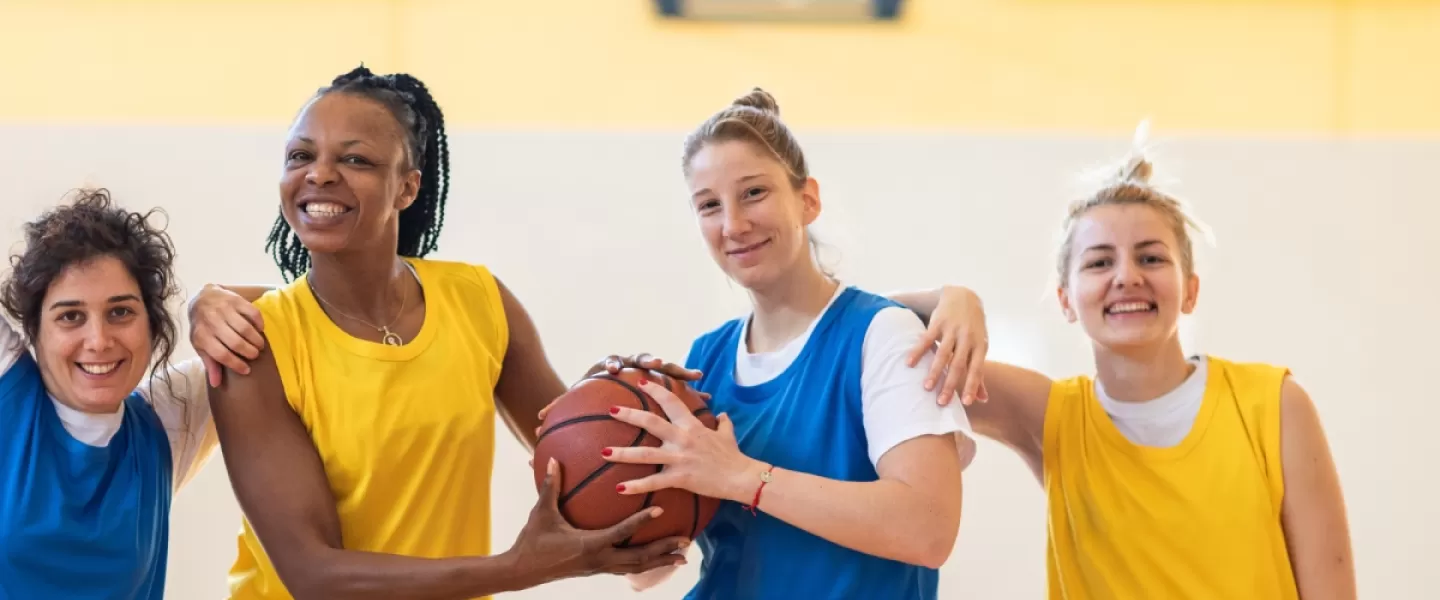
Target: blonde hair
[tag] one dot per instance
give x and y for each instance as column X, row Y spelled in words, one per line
column 1129, row 184
column 754, row 118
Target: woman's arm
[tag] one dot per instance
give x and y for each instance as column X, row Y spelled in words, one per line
column 911, row 513
column 1313, row 509
column 528, row 382
column 180, row 398
column 1015, row 413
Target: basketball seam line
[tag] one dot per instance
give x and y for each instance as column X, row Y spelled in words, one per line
column 645, row 404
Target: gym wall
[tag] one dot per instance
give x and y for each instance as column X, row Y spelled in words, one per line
column 946, row 146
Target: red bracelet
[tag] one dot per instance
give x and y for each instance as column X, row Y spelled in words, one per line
column 764, row 479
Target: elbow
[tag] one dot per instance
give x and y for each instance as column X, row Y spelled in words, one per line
column 935, row 550
column 308, row 577
column 934, row 540
column 931, row 544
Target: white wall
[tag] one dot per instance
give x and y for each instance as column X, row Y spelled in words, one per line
column 1304, row 273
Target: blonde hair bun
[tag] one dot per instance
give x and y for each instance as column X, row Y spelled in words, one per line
column 758, row 99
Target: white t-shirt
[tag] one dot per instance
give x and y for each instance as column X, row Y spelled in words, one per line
column 184, row 410
column 1164, row 421
column 896, row 406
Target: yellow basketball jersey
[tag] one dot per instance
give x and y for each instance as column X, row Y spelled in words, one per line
column 406, row 433
column 1199, row 520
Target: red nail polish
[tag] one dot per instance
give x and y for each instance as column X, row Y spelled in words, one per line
column 643, row 380
column 620, row 488
column 614, row 410
column 606, row 452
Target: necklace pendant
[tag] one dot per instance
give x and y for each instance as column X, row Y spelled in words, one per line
column 389, row 338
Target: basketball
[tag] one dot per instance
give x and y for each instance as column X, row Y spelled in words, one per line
column 579, row 426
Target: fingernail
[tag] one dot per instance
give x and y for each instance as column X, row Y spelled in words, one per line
column 620, row 488
column 656, row 512
column 929, row 383
column 614, row 410
column 685, row 544
column 606, row 452
column 643, row 380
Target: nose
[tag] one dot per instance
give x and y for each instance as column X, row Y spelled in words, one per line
column 736, row 223
column 320, row 174
column 98, row 337
column 1127, row 275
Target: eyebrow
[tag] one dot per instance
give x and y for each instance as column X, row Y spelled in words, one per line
column 112, row 300
column 741, row 180
column 1111, row 247
column 346, row 143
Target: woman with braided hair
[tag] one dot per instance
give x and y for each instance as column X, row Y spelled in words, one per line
column 358, row 425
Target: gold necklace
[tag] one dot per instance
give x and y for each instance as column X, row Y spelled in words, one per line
column 387, row 337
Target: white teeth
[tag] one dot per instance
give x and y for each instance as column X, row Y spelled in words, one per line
column 1130, row 307
column 98, row 369
column 325, row 209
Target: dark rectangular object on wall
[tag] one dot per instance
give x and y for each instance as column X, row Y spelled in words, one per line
column 781, row 10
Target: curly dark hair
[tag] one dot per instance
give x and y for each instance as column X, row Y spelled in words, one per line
column 91, row 227
column 427, row 149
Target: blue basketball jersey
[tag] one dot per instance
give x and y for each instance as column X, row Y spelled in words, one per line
column 807, row 419
column 79, row 521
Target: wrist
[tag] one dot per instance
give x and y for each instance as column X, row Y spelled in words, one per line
column 954, row 291
column 518, row 574
column 744, row 484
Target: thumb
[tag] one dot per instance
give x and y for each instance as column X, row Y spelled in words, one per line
column 724, row 426
column 550, row 488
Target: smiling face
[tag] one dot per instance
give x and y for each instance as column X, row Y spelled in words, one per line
column 94, row 342
column 1126, row 284
column 347, row 174
column 752, row 218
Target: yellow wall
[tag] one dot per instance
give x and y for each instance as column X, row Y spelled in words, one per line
column 1274, row 66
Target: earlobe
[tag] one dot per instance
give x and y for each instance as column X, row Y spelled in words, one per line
column 1065, row 309
column 810, row 197
column 411, row 191
column 1192, row 294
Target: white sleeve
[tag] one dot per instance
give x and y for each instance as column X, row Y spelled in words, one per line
column 183, row 405
column 894, row 401
column 10, row 346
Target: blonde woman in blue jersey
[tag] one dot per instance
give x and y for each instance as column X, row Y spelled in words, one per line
column 1167, row 475
column 839, row 470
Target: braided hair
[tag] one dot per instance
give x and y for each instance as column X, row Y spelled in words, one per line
column 427, row 149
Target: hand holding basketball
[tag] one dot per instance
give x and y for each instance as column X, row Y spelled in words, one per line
column 614, row 363
column 696, row 458
column 549, row 549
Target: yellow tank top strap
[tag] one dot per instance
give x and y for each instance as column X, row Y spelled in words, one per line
column 1255, row 391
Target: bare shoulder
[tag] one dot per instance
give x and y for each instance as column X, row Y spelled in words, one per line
column 1303, row 443
column 1295, row 403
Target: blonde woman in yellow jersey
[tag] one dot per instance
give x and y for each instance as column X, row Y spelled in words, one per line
column 359, row 439
column 1166, row 476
